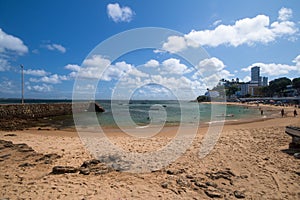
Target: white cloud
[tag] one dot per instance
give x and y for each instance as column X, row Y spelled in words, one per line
column 297, row 62
column 8, row 87
column 173, row 66
column 247, row 31
column 57, row 47
column 40, row 88
column 210, row 71
column 96, row 61
column 175, row 44
column 210, row 65
column 92, row 67
column 53, row 79
column 87, row 87
column 4, row 65
column 11, row 43
column 119, row 14
column 246, row 79
column 98, row 67
column 152, row 63
column 217, row 22
column 285, row 14
column 274, row 69
column 72, row 67
column 116, row 71
column 36, row 72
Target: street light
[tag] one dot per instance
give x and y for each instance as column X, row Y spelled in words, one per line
column 22, row 76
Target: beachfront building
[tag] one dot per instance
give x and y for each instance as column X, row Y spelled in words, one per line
column 255, row 74
column 241, row 89
column 252, row 87
column 256, row 78
column 249, row 89
column 265, row 81
column 290, row 91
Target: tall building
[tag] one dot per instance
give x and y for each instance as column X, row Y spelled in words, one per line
column 255, row 74
column 265, row 81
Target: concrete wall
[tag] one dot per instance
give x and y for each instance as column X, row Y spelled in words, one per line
column 31, row 111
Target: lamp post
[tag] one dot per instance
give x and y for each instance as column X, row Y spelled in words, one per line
column 22, row 76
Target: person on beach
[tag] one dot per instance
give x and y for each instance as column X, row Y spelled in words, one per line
column 295, row 113
column 282, row 112
column 261, row 112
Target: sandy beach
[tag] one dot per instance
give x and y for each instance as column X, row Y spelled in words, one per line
column 250, row 160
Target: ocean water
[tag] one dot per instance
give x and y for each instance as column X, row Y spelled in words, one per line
column 145, row 113
column 141, row 113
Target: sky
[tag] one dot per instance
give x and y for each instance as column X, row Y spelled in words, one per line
column 101, row 49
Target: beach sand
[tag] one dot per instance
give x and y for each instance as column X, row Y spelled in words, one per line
column 250, row 160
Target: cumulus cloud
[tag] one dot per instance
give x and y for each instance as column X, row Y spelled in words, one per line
column 11, row 43
column 173, row 66
column 152, row 63
column 40, row 88
column 175, row 44
column 56, row 47
column 211, row 67
column 52, row 79
column 246, row 79
column 87, row 87
column 4, row 65
column 116, row 71
column 72, row 67
column 217, row 22
column 99, row 67
column 119, row 14
column 297, row 62
column 285, row 14
column 36, row 72
column 170, row 73
column 275, row 69
column 210, row 71
column 247, row 31
column 8, row 87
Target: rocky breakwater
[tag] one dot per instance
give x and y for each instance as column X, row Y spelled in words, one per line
column 19, row 116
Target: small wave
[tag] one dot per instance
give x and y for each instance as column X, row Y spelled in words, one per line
column 221, row 121
column 142, row 126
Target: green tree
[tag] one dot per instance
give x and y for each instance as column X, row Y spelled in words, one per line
column 231, row 89
column 277, row 86
column 296, row 84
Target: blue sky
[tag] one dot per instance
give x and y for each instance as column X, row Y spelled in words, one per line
column 56, row 42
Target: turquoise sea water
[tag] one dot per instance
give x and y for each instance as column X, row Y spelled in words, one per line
column 142, row 113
